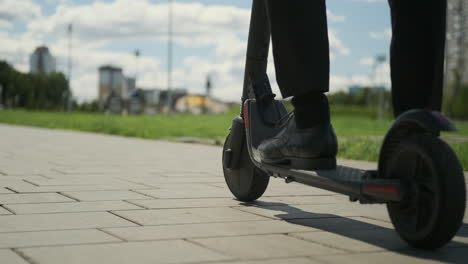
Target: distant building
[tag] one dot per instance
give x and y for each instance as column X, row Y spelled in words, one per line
column 130, row 85
column 111, row 85
column 42, row 61
column 198, row 104
column 175, row 94
column 152, row 97
column 355, row 89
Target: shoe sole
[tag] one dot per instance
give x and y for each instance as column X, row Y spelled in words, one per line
column 304, row 163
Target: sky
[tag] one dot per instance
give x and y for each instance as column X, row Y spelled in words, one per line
column 210, row 38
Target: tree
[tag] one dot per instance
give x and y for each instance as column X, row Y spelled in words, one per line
column 32, row 91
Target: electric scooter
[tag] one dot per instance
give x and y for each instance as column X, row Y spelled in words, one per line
column 419, row 177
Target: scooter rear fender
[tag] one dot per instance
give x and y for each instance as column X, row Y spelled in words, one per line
column 412, row 122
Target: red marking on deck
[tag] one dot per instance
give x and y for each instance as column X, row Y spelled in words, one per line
column 383, row 189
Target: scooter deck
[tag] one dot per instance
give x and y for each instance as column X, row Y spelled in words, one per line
column 359, row 184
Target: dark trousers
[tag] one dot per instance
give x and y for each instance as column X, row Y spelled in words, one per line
column 301, row 50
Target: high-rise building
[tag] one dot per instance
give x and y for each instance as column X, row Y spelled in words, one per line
column 130, row 85
column 457, row 43
column 42, row 61
column 111, row 84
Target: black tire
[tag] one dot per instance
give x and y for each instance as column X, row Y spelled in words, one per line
column 433, row 209
column 247, row 183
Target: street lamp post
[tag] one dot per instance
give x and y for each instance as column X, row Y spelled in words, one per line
column 169, row 58
column 379, row 60
column 69, row 93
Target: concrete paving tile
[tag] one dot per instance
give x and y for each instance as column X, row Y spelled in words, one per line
column 187, row 174
column 277, row 187
column 73, row 181
column 105, row 195
column 300, row 260
column 13, row 185
column 187, row 215
column 7, row 256
column 265, row 246
column 170, row 251
column 357, row 241
column 8, row 181
column 460, row 239
column 70, row 207
column 317, row 210
column 48, row 238
column 21, row 198
column 155, row 181
column 26, row 170
column 64, row 188
column 3, row 211
column 34, row 222
column 4, row 190
column 207, row 192
column 206, row 230
column 199, row 202
column 444, row 255
column 315, row 199
column 186, row 203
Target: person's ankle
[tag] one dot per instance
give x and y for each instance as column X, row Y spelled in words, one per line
column 311, row 109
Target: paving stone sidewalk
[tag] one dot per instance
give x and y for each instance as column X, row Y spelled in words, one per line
column 71, row 197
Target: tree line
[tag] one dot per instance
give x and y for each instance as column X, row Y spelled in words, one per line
column 32, row 91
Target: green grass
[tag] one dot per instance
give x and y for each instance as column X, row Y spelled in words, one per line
column 359, row 135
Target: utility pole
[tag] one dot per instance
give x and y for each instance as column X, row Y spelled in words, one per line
column 169, row 58
column 69, row 93
column 137, row 55
column 1, row 99
column 207, row 95
column 379, row 60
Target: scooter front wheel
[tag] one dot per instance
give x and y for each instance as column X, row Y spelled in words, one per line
column 246, row 182
column 433, row 209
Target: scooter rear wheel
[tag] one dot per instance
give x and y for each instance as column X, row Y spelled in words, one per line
column 433, row 209
column 247, row 182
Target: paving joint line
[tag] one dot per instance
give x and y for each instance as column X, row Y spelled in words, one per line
column 68, row 196
column 10, row 189
column 144, row 194
column 129, row 220
column 141, row 206
column 23, row 256
column 237, row 208
column 59, row 171
column 8, row 209
column 189, row 240
column 375, row 219
column 42, row 175
column 72, row 244
column 111, row 234
column 32, row 183
column 318, row 243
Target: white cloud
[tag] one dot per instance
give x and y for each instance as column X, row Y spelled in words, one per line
column 5, row 25
column 332, row 17
column 15, row 10
column 386, row 34
column 381, row 78
column 97, row 25
column 336, row 45
column 366, row 61
column 369, row 1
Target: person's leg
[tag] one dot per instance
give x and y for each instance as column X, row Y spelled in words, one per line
column 301, row 55
column 417, row 54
